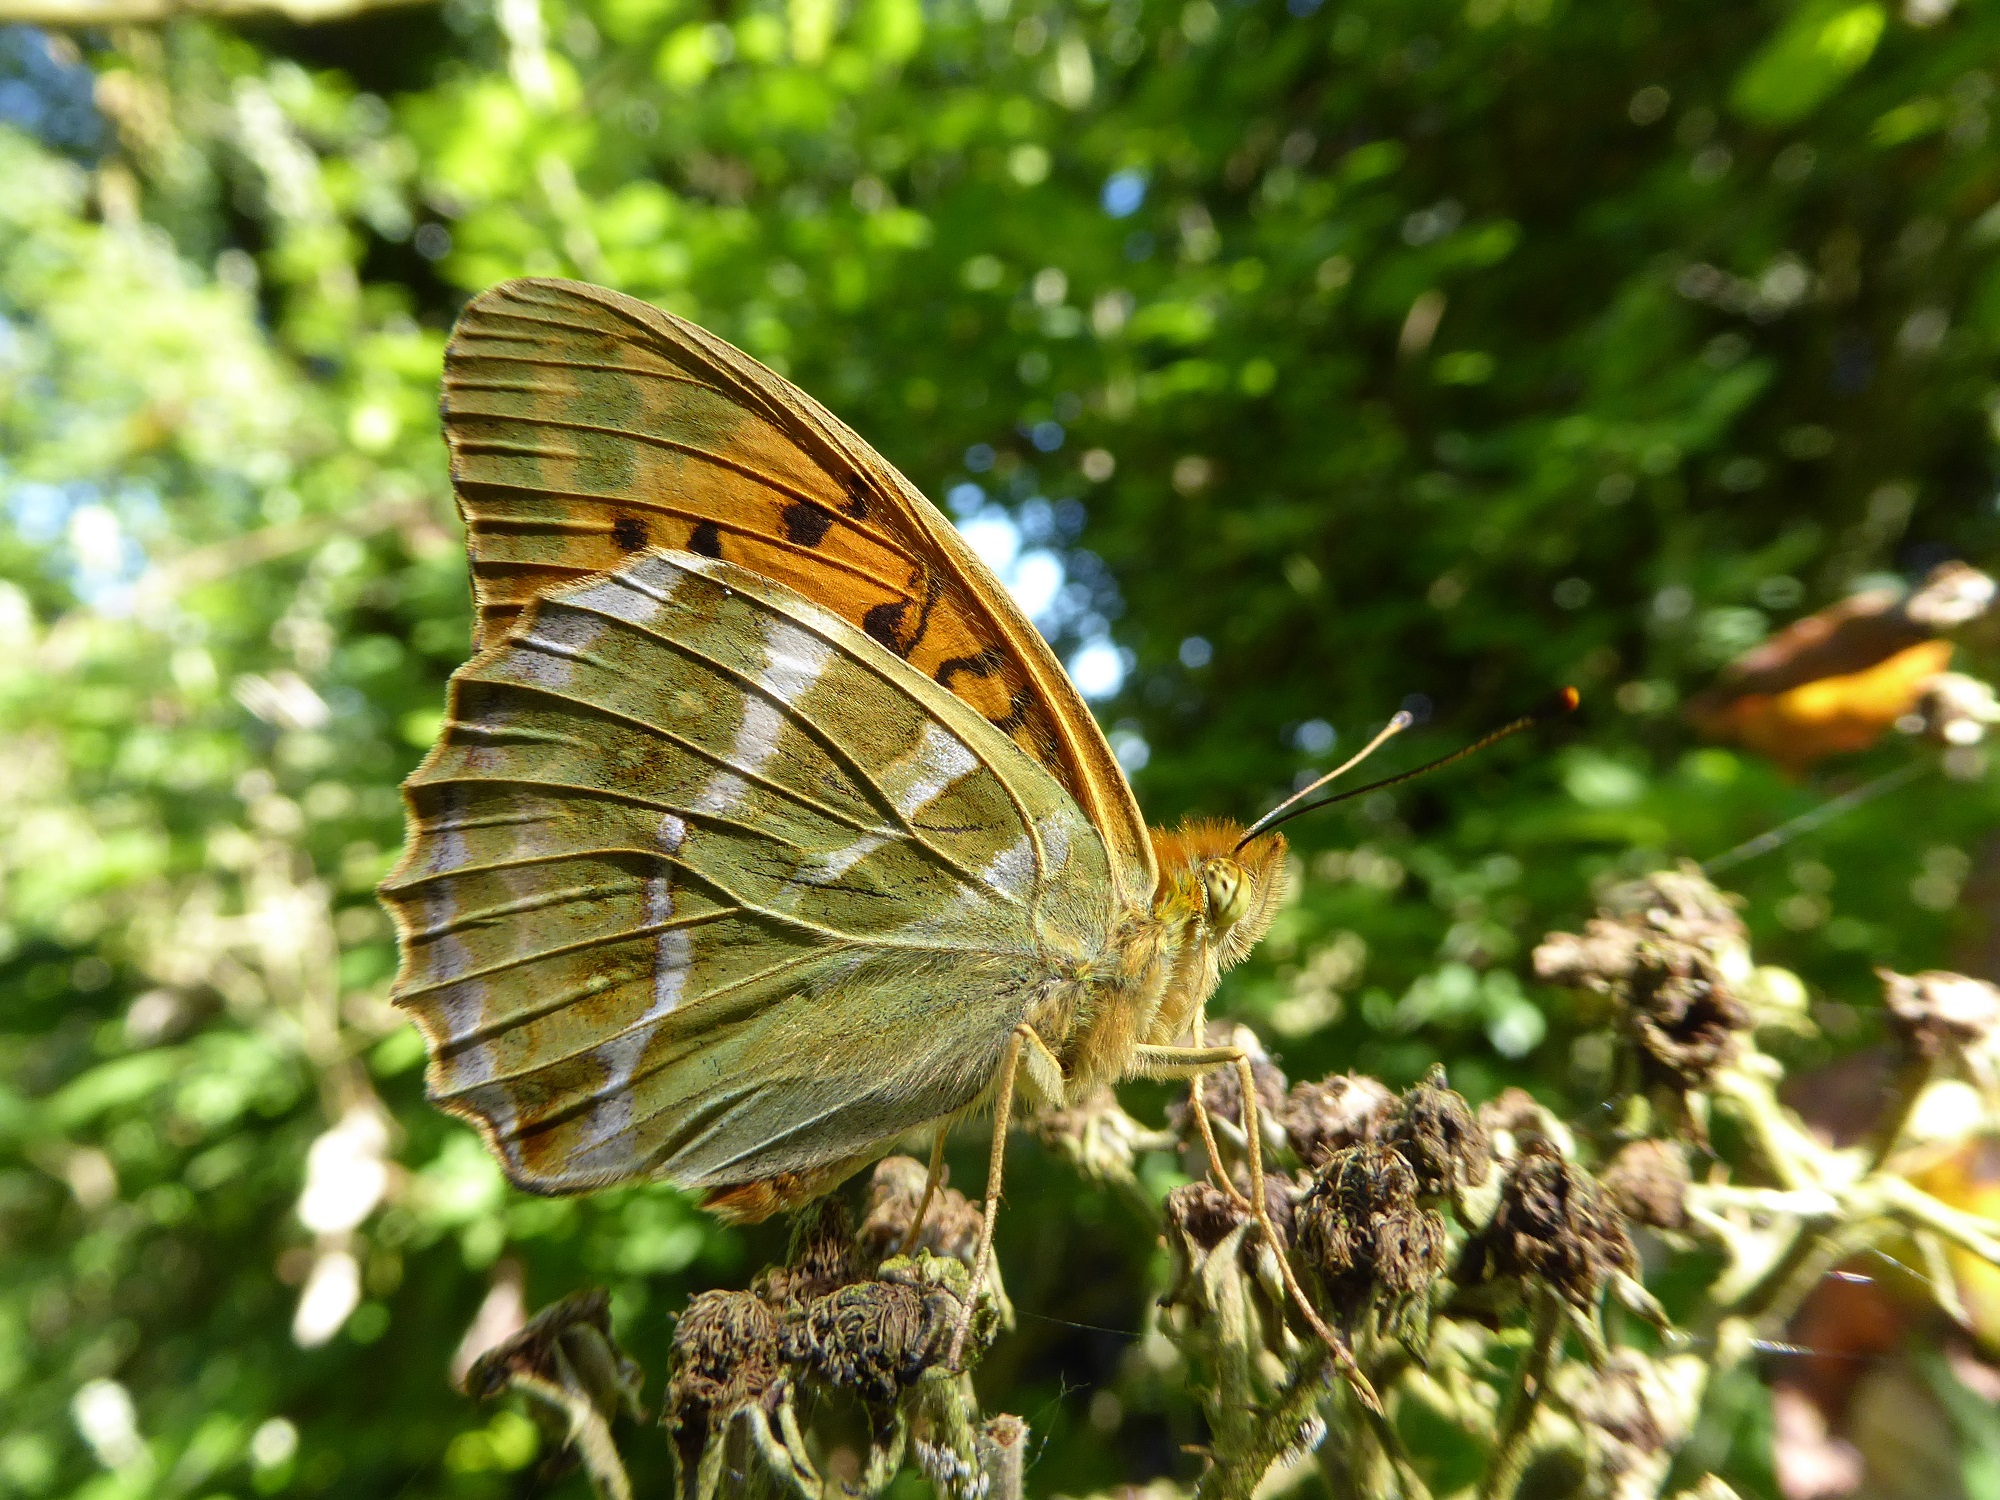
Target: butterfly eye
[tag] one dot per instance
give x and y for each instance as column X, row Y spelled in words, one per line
column 1228, row 892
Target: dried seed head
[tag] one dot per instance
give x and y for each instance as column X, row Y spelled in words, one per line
column 820, row 1258
column 1939, row 1013
column 1635, row 1411
column 1206, row 1214
column 1668, row 950
column 1363, row 1234
column 576, row 1379
column 1953, row 594
column 1553, row 1225
column 1684, row 1016
column 1515, row 1117
column 726, row 1355
column 1202, row 1212
column 1953, row 709
column 1342, row 1110
column 1647, row 1182
column 875, row 1337
column 1434, row 1131
column 951, row 1225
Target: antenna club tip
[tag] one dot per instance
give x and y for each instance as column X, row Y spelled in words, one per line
column 1567, row 699
column 1402, row 718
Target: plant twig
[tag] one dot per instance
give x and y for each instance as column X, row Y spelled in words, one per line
column 1507, row 1461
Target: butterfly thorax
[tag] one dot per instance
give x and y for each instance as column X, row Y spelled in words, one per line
column 1163, row 961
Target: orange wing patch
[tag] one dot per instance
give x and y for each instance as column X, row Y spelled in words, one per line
column 1837, row 680
column 1828, row 715
column 585, row 426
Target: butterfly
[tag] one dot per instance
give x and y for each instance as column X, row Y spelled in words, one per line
column 764, row 828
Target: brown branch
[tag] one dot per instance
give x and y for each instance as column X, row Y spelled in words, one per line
column 80, row 13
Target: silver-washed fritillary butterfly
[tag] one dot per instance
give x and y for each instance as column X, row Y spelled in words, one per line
column 764, row 828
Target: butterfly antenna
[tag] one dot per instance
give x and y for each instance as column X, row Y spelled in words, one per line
column 1276, row 815
column 1562, row 702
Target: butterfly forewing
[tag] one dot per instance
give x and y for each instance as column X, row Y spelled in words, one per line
column 586, row 427
column 705, row 883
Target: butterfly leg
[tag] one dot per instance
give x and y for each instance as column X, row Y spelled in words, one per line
column 930, row 1191
column 1166, row 1061
column 1025, row 1046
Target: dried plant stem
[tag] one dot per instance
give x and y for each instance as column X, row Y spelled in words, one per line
column 1003, row 1457
column 1908, row 1088
column 1235, row 1476
column 1504, row 1467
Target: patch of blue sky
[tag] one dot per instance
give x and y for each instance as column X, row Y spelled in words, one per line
column 1124, row 193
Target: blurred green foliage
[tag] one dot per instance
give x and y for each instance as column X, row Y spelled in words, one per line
column 1342, row 354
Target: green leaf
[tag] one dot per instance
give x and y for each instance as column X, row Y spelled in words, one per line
column 1824, row 44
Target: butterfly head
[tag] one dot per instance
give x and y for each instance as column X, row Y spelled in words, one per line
column 1228, row 895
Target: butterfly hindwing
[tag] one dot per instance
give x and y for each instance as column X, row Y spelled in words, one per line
column 704, row 883
column 586, row 427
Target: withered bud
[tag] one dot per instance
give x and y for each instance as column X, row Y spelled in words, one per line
column 1362, row 1232
column 1951, row 595
column 1680, row 904
column 1343, row 1110
column 1206, row 1214
column 1202, row 1212
column 1665, row 949
column 875, row 1337
column 1554, row 1225
column 820, row 1257
column 566, row 1347
column 1517, row 1115
column 951, row 1224
column 1683, row 1014
column 1635, row 1410
column 1222, row 1089
column 1953, row 709
column 1647, row 1182
column 726, row 1355
column 1939, row 1013
column 1434, row 1131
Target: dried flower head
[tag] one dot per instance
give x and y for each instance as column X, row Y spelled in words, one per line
column 576, row 1378
column 1206, row 1214
column 726, row 1356
column 1953, row 709
column 1338, row 1111
column 1553, row 1225
column 1434, row 1131
column 1635, row 1411
column 1647, row 1181
column 1938, row 1013
column 1514, row 1117
column 951, row 1224
column 874, row 1337
column 1951, row 595
column 1363, row 1234
column 1669, row 950
column 1202, row 1212
column 819, row 1258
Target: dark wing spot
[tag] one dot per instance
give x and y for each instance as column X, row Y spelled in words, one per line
column 933, row 590
column 804, row 523
column 629, row 532
column 885, row 623
column 706, row 539
column 985, row 664
column 857, row 496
